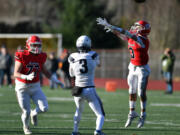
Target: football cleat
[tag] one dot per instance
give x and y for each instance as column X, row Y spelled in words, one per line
column 131, row 117
column 34, row 120
column 27, row 131
column 75, row 133
column 141, row 121
column 98, row 132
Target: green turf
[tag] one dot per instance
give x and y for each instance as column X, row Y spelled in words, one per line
column 163, row 114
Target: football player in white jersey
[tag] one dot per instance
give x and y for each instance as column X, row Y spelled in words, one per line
column 82, row 68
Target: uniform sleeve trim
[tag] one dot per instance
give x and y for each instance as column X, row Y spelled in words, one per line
column 71, row 59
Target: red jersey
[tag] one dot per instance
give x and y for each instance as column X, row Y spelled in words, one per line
column 31, row 63
column 139, row 55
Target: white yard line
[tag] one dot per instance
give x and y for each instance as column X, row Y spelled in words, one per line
column 166, row 123
column 162, row 104
column 59, row 99
column 11, row 113
column 58, row 115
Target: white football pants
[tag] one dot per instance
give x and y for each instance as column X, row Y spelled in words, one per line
column 90, row 95
column 138, row 78
column 26, row 92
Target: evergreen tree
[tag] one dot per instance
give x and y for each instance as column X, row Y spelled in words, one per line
column 78, row 17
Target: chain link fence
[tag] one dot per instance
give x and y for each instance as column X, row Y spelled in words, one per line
column 114, row 64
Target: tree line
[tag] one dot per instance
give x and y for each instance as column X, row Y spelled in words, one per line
column 73, row 18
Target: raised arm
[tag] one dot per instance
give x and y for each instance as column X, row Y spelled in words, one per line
column 120, row 32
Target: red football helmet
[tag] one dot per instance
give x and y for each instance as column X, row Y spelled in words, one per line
column 34, row 44
column 141, row 27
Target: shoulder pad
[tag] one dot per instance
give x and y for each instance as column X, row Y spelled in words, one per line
column 18, row 55
column 93, row 54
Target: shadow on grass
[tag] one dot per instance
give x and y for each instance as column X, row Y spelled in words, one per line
column 15, row 132
column 146, row 131
column 108, row 131
column 38, row 131
column 12, row 132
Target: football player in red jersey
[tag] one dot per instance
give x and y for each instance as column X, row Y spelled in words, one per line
column 138, row 45
column 28, row 64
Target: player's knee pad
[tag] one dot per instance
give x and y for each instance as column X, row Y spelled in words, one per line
column 132, row 84
column 100, row 117
column 132, row 91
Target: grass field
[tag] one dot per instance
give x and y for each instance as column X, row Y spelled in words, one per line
column 163, row 114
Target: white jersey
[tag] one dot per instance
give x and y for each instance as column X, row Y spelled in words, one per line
column 82, row 67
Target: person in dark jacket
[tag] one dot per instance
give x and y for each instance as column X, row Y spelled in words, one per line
column 64, row 66
column 52, row 66
column 5, row 66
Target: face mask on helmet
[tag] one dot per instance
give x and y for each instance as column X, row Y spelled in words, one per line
column 141, row 27
column 83, row 43
column 34, row 44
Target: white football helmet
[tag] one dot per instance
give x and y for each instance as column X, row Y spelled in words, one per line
column 34, row 44
column 83, row 43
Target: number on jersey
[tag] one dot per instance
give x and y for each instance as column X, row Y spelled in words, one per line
column 132, row 53
column 83, row 68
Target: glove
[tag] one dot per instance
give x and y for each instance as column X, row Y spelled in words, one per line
column 101, row 21
column 104, row 23
column 29, row 77
column 55, row 79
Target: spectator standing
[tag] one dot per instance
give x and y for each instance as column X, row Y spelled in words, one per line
column 5, row 66
column 168, row 59
column 52, row 66
column 64, row 66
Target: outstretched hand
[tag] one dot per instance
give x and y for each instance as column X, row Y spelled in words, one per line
column 103, row 22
